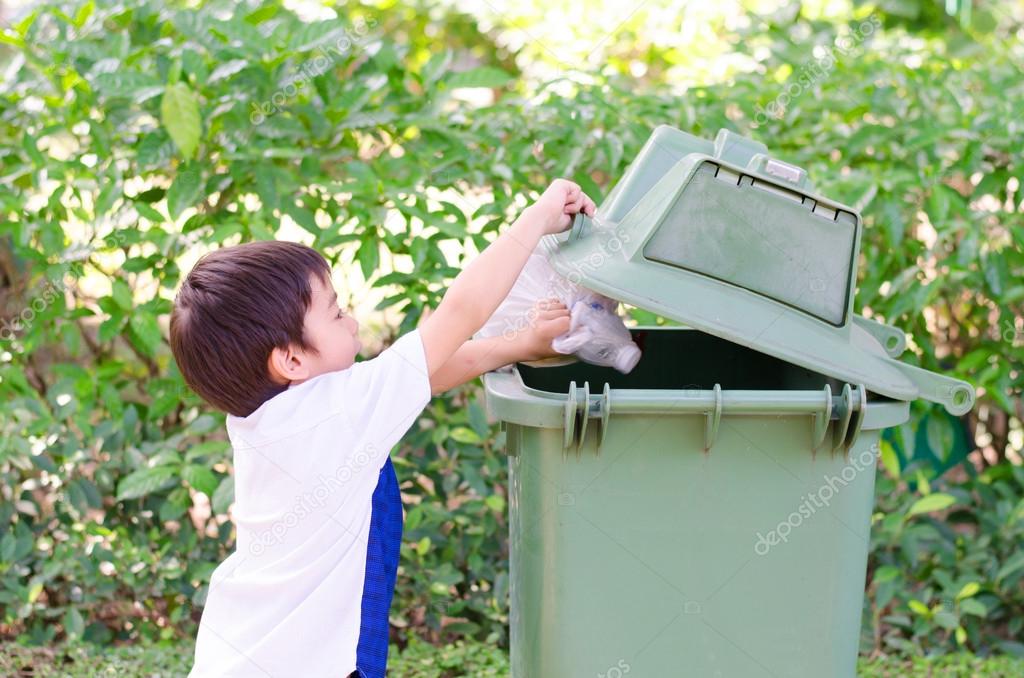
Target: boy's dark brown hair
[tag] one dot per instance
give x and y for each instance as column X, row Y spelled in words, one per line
column 235, row 306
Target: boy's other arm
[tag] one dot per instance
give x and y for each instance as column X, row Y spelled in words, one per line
column 549, row 319
column 481, row 287
column 473, row 358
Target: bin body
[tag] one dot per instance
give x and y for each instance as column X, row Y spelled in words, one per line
column 707, row 514
column 654, row 557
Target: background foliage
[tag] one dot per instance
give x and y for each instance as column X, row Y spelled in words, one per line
column 397, row 139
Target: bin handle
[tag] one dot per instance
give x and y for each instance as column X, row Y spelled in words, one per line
column 578, row 224
column 893, row 340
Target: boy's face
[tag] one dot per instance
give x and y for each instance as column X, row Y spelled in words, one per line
column 331, row 332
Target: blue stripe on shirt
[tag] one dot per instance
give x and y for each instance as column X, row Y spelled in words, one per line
column 382, row 553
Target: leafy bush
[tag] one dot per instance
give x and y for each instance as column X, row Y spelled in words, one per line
column 136, row 135
column 950, row 666
column 946, row 569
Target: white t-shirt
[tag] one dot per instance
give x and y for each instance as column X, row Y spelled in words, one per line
column 288, row 601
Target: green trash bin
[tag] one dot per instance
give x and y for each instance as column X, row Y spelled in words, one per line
column 707, row 514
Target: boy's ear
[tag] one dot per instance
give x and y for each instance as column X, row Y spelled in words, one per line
column 287, row 365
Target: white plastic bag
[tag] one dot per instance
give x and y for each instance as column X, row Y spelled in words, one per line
column 596, row 333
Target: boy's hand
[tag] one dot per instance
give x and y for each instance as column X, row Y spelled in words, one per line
column 549, row 318
column 555, row 208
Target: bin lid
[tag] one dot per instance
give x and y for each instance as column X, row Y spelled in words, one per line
column 731, row 242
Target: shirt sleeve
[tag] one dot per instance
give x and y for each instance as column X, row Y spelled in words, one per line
column 384, row 395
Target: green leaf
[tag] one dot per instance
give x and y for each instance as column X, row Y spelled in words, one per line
column 131, row 84
column 974, row 606
column 436, row 66
column 146, row 481
column 266, row 187
column 919, row 608
column 946, row 619
column 222, row 497
column 122, row 294
column 154, row 150
column 179, row 112
column 200, row 478
column 146, row 328
column 302, row 216
column 312, row 35
column 478, row 419
column 969, row 589
column 369, row 257
column 1011, row 566
column 465, row 435
column 933, row 502
column 28, row 142
column 226, row 70
column 890, row 461
column 184, row 192
column 939, row 432
column 110, row 327
column 150, row 213
column 495, row 502
column 176, row 504
column 482, row 76
column 74, row 624
column 886, row 573
column 208, row 448
column 7, row 546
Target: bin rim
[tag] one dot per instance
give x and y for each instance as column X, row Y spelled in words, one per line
column 509, row 399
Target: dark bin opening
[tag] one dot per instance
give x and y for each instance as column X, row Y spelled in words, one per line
column 680, row 358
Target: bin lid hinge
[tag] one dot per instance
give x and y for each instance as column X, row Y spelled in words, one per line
column 850, row 408
column 712, row 418
column 571, row 417
column 580, row 406
column 820, row 421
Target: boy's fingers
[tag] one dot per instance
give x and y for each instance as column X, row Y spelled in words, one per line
column 561, row 325
column 564, row 317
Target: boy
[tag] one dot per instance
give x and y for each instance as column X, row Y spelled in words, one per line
column 256, row 332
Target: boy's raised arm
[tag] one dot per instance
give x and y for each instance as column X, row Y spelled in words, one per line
column 481, row 287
